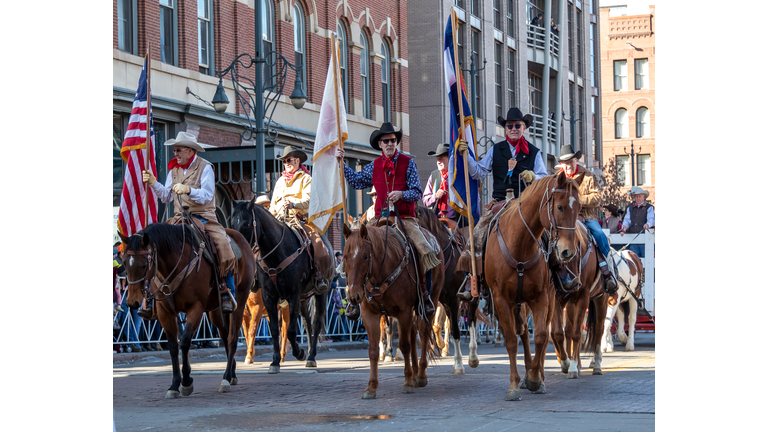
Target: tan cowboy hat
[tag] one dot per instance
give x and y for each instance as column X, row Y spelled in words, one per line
column 637, row 190
column 186, row 139
column 262, row 199
column 290, row 151
column 441, row 150
column 373, row 191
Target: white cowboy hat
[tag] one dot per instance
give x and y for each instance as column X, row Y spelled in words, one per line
column 637, row 190
column 262, row 199
column 186, row 139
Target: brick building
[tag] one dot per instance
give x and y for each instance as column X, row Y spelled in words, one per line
column 191, row 40
column 628, row 59
column 518, row 73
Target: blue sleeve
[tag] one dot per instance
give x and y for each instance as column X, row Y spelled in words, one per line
column 414, row 192
column 359, row 179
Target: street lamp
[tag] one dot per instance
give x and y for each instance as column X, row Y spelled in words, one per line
column 573, row 121
column 473, row 85
column 632, row 158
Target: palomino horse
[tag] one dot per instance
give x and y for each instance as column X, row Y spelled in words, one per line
column 186, row 284
column 254, row 310
column 516, row 272
column 290, row 277
column 451, row 244
column 588, row 299
column 629, row 272
column 381, row 278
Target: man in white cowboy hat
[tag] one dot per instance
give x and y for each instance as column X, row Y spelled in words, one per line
column 192, row 179
column 370, row 214
column 396, row 175
column 263, row 201
column 640, row 216
column 291, row 197
column 589, row 196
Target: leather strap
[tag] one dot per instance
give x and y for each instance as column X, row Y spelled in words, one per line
column 521, row 267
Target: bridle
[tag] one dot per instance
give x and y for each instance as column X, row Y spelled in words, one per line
column 274, row 271
column 547, row 199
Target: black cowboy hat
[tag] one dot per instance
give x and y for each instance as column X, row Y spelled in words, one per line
column 613, row 209
column 441, row 150
column 566, row 153
column 386, row 128
column 515, row 114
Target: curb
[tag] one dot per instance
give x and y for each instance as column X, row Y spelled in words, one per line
column 125, row 358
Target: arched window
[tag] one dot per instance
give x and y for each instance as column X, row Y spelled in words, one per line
column 268, row 37
column 642, row 123
column 622, row 124
column 341, row 29
column 299, row 43
column 364, row 74
column 385, row 82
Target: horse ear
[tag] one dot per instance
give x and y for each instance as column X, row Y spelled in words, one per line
column 345, row 230
column 363, row 232
column 350, row 219
column 252, row 202
column 145, row 240
column 123, row 238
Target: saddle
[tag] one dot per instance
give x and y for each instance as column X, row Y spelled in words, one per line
column 203, row 239
column 489, row 219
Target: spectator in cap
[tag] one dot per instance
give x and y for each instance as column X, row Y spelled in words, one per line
column 612, row 221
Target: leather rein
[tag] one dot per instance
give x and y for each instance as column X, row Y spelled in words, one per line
column 274, row 271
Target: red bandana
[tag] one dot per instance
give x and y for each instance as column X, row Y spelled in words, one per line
column 175, row 163
column 574, row 173
column 389, row 166
column 520, row 145
column 443, row 204
column 289, row 176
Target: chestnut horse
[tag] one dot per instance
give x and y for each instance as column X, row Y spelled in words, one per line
column 381, row 278
column 254, row 310
column 516, row 269
column 167, row 252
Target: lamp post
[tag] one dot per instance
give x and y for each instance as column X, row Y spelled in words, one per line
column 573, row 121
column 473, row 86
column 632, row 158
column 250, row 93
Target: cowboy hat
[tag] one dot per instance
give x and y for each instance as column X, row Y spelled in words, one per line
column 612, row 208
column 566, row 153
column 262, row 200
column 386, row 128
column 637, row 190
column 515, row 114
column 290, row 151
column 186, row 139
column 373, row 191
column 441, row 150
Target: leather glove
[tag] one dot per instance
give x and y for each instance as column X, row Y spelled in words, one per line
column 528, row 176
column 463, row 147
column 148, row 177
column 180, row 189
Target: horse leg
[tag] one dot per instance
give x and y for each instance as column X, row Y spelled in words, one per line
column 304, row 313
column 168, row 321
column 601, row 308
column 535, row 376
column 382, row 337
column 606, row 343
column 446, row 334
column 374, row 334
column 318, row 319
column 473, row 360
column 425, row 334
column 575, row 314
column 404, row 325
column 284, row 318
column 436, row 327
column 558, row 337
column 270, row 304
column 293, row 308
column 620, row 334
column 510, row 341
column 630, row 345
column 452, row 327
column 254, row 309
column 194, row 316
column 393, row 347
column 526, row 341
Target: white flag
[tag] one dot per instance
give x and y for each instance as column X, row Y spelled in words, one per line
column 325, row 197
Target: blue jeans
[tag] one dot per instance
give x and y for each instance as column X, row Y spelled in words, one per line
column 599, row 235
column 229, row 279
column 132, row 331
column 638, row 249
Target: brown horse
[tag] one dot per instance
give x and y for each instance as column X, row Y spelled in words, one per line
column 516, row 269
column 381, row 281
column 167, row 252
column 254, row 311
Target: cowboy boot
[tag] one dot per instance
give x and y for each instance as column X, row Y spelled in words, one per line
column 353, row 312
column 565, row 279
column 148, row 313
column 321, row 286
column 228, row 303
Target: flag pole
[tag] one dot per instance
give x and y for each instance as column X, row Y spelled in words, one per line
column 460, row 92
column 334, row 55
column 148, row 141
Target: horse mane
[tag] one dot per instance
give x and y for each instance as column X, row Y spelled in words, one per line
column 376, row 236
column 431, row 222
column 582, row 235
column 165, row 238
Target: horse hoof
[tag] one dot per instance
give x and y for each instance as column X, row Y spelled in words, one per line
column 233, row 381
column 597, row 371
column 444, row 354
column 474, row 363
column 591, row 364
column 311, row 364
column 409, row 389
column 458, row 371
column 274, row 369
column 541, row 390
column 573, row 375
column 248, row 361
column 533, row 386
column 224, row 387
column 369, row 395
column 172, row 394
column 381, row 358
column 186, row 391
column 629, row 348
column 513, row 395
column 564, row 365
column 421, row 382
column 499, row 345
column 623, row 340
column 389, row 359
column 302, row 356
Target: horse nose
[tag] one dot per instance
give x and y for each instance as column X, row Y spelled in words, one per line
column 566, row 253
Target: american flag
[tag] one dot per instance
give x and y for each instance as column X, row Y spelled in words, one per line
column 131, row 217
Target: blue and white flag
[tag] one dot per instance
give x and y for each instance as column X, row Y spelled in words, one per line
column 457, row 193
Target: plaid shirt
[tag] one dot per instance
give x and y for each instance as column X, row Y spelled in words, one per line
column 364, row 179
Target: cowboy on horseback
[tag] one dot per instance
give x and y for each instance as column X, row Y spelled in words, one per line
column 290, row 204
column 192, row 180
column 395, row 175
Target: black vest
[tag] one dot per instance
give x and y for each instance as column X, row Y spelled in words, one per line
column 638, row 216
column 525, row 162
column 435, row 176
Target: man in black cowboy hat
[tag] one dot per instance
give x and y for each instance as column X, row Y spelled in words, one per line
column 396, row 178
column 510, row 159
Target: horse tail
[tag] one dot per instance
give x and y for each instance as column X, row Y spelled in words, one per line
column 519, row 323
column 424, row 329
column 592, row 342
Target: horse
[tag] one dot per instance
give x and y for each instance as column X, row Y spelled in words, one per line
column 441, row 323
column 451, row 244
column 516, row 272
column 254, row 310
column 588, row 299
column 629, row 272
column 166, row 252
column 288, row 262
column 381, row 278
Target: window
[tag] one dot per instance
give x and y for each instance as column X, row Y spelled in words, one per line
column 535, row 83
column 205, row 37
column 622, row 124
column 460, row 3
column 510, row 18
column 117, row 161
column 268, row 41
column 341, row 29
column 168, row 49
column 592, row 54
column 641, row 74
column 126, row 20
column 299, row 43
column 364, row 72
column 594, row 126
column 570, row 38
column 475, row 4
column 622, row 170
column 580, row 129
column 620, row 75
column 643, row 169
column 579, row 52
column 497, row 14
column 642, row 123
column 511, row 78
column 460, row 44
column 477, row 110
column 534, row 8
column 385, row 83
column 497, row 58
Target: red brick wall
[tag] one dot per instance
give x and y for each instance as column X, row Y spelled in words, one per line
column 218, row 137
